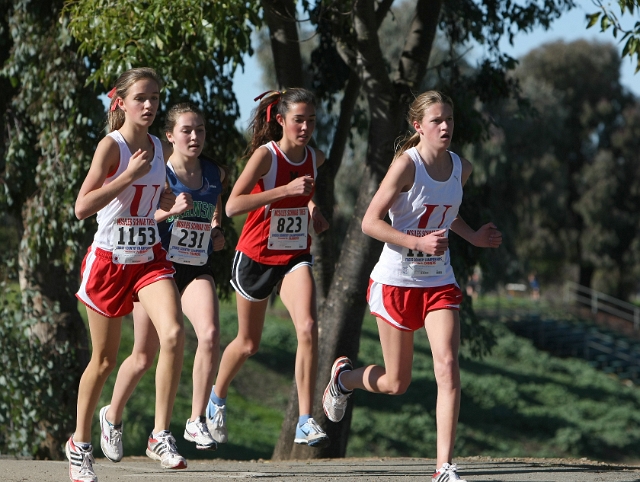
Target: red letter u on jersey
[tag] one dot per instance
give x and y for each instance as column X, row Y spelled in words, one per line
column 135, row 204
column 424, row 219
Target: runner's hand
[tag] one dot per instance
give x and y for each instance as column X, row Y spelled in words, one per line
column 183, row 203
column 487, row 236
column 320, row 223
column 435, row 244
column 300, row 186
column 139, row 164
column 217, row 238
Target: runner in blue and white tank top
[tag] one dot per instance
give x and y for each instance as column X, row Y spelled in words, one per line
column 413, row 285
column 186, row 241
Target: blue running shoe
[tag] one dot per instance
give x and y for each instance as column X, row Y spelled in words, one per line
column 311, row 434
column 217, row 422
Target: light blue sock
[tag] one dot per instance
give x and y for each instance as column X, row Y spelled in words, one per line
column 303, row 419
column 216, row 399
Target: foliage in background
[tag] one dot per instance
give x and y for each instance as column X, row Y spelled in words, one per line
column 607, row 19
column 517, row 402
column 37, row 380
column 569, row 170
column 51, row 123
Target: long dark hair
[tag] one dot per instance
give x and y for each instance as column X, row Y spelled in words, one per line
column 264, row 126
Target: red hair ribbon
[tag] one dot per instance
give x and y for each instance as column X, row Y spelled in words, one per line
column 264, row 94
column 269, row 109
column 114, row 105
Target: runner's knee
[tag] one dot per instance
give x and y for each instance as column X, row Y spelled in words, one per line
column 307, row 331
column 209, row 338
column 172, row 338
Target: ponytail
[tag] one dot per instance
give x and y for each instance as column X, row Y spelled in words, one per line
column 405, row 143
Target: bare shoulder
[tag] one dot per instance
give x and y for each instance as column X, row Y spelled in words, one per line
column 107, row 153
column 259, row 163
column 402, row 172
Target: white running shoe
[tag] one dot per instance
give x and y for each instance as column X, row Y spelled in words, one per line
column 80, row 462
column 217, row 422
column 447, row 473
column 311, row 434
column 163, row 448
column 110, row 437
column 334, row 402
column 197, row 431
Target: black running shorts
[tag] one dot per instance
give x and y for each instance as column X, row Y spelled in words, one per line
column 255, row 281
column 186, row 273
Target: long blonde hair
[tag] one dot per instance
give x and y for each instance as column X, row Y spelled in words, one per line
column 417, row 110
column 115, row 117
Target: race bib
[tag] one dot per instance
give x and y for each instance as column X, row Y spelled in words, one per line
column 418, row 264
column 189, row 242
column 133, row 239
column 288, row 229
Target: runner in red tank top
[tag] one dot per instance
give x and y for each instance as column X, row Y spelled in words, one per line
column 275, row 189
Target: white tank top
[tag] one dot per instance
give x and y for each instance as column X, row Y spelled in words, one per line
column 428, row 206
column 139, row 200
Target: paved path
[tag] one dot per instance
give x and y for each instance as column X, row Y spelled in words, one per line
column 474, row 469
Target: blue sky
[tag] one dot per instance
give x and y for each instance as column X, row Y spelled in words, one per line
column 571, row 26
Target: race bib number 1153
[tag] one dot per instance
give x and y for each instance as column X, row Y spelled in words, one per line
column 133, row 240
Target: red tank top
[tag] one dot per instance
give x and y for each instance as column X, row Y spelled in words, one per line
column 254, row 239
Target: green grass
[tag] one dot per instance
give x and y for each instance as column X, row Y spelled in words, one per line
column 516, row 402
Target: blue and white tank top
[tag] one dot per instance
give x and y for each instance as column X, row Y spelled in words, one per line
column 204, row 198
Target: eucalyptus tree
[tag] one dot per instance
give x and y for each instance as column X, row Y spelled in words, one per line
column 606, row 17
column 570, row 170
column 51, row 121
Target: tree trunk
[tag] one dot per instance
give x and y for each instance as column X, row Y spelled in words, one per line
column 45, row 284
column 325, row 256
column 585, row 275
column 283, row 33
